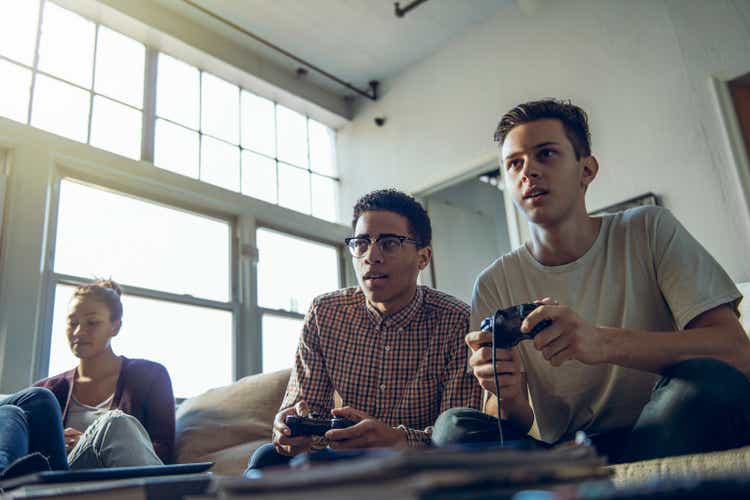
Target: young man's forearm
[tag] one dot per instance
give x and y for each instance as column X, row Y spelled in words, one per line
column 656, row 351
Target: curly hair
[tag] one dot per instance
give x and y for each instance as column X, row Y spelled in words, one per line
column 574, row 121
column 392, row 200
column 106, row 291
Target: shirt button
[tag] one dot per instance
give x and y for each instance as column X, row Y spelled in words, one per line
column 387, row 348
column 400, row 330
column 382, row 387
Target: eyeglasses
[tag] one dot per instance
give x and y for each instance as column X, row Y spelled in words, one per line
column 388, row 244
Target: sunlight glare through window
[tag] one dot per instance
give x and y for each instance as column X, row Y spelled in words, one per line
column 258, row 124
column 14, row 98
column 60, row 108
column 220, row 163
column 66, row 49
column 292, row 271
column 100, row 233
column 280, row 340
column 292, row 131
column 119, row 67
column 220, row 108
column 116, row 127
column 294, row 188
column 177, row 91
column 18, row 29
column 176, row 149
column 259, row 177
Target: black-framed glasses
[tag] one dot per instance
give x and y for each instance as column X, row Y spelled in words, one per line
column 388, row 244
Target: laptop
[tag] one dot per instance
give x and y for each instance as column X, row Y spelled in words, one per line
column 104, row 474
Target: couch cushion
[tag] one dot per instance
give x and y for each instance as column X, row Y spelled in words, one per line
column 698, row 466
column 229, row 416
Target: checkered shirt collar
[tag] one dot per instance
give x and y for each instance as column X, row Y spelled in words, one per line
column 399, row 319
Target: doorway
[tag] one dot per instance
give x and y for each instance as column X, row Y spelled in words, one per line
column 469, row 231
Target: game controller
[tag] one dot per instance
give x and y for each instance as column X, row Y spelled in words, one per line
column 505, row 325
column 315, row 425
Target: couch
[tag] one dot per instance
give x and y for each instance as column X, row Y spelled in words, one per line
column 225, row 425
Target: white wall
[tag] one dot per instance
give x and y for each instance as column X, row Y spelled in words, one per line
column 642, row 69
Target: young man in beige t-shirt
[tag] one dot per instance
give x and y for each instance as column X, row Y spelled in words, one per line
column 645, row 351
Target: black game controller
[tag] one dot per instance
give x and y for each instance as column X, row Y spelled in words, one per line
column 505, row 325
column 315, row 425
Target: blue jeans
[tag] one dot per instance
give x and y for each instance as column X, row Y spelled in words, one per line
column 30, row 421
column 697, row 406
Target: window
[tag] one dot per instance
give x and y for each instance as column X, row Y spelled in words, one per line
column 86, row 82
column 247, row 144
column 149, row 248
column 70, row 76
column 283, row 259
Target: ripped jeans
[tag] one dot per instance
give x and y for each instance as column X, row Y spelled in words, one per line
column 115, row 439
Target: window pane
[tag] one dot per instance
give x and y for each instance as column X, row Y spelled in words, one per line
column 150, row 330
column 324, row 197
column 322, row 149
column 280, row 339
column 116, row 127
column 14, row 98
column 60, row 108
column 282, row 259
column 18, row 28
column 258, row 124
column 220, row 108
column 258, row 177
column 176, row 149
column 292, row 130
column 220, row 163
column 177, row 91
column 66, row 48
column 120, row 63
column 100, row 233
column 294, row 188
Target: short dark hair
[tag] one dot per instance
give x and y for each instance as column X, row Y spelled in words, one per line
column 392, row 200
column 574, row 121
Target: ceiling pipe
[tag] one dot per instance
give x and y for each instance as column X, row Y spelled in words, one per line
column 401, row 12
column 370, row 93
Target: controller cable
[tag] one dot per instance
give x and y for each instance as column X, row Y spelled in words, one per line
column 497, row 388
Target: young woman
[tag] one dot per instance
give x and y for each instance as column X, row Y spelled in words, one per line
column 116, row 411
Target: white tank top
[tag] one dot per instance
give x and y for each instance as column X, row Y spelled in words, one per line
column 80, row 416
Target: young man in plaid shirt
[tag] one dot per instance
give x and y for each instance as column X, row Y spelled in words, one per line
column 394, row 351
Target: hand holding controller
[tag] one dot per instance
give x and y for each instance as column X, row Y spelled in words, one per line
column 314, row 425
column 505, row 325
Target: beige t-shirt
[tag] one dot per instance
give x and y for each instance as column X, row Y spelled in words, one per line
column 644, row 271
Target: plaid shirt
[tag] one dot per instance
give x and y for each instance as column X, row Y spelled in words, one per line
column 404, row 369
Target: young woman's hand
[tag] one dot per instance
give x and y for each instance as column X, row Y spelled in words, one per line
column 71, row 437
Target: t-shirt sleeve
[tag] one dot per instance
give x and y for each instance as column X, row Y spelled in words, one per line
column 690, row 279
column 484, row 299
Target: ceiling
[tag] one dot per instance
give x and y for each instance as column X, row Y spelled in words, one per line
column 355, row 40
